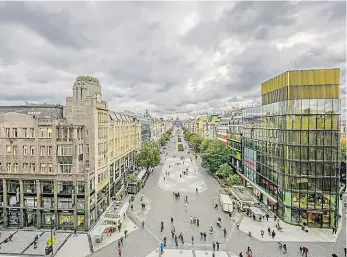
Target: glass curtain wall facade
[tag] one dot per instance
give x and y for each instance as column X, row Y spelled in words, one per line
column 297, row 146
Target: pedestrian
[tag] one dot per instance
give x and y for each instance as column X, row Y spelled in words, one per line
column 345, row 251
column 214, row 246
column 192, row 240
column 217, row 244
column 301, row 249
column 176, row 241
column 164, row 241
column 171, row 220
column 186, row 207
column 267, row 217
column 334, row 230
column 205, row 236
column 35, row 244
column 197, row 222
column 125, row 233
column 273, row 234
column 197, row 190
column 191, row 219
column 269, row 231
column 240, row 254
column 119, row 244
column 36, row 237
column 334, row 255
column 132, row 207
column 262, row 233
column 172, row 234
column 201, row 234
column 119, row 252
column 143, row 224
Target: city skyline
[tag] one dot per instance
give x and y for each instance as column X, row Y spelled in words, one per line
column 210, row 56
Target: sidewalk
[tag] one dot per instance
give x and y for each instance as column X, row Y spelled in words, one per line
column 127, row 225
column 290, row 233
column 78, row 245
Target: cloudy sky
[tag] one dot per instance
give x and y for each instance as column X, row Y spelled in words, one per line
column 167, row 57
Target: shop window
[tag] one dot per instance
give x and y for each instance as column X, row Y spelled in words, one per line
column 30, row 201
column 47, row 219
column 47, row 202
column 66, row 220
column 65, row 203
column 80, row 221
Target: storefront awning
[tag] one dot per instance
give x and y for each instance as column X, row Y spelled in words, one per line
column 271, row 198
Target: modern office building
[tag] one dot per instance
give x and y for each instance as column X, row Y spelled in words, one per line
column 291, row 146
column 234, row 139
column 63, row 164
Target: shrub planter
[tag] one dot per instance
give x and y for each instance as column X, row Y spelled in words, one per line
column 180, row 147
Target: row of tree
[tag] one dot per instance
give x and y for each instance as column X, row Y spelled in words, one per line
column 215, row 156
column 149, row 155
column 165, row 137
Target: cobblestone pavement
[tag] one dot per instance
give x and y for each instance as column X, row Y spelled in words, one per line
column 163, row 205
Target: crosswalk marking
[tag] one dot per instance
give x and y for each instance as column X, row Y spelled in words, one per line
column 166, row 185
column 200, row 185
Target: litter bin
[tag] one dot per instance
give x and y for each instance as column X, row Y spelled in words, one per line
column 48, row 250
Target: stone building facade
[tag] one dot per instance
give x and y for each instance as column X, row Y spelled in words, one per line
column 62, row 165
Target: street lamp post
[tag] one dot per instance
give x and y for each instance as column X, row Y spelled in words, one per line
column 52, row 234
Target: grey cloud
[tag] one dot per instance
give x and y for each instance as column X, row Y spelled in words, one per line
column 142, row 60
column 58, row 28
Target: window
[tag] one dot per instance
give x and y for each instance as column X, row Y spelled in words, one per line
column 15, row 150
column 65, row 168
column 64, row 150
column 49, row 150
column 25, row 167
column 8, row 132
column 32, row 167
column 32, row 133
column 15, row 132
column 25, row 132
column 15, row 167
column 43, row 132
column 32, row 150
column 49, row 132
column 50, row 168
column 9, row 167
column 25, row 150
column 42, row 150
column 42, row 167
column 8, row 149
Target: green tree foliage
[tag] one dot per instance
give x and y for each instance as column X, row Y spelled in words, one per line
column 187, row 134
column 205, row 144
column 133, row 178
column 149, row 156
column 195, row 141
column 234, row 180
column 224, row 171
column 215, row 155
column 343, row 151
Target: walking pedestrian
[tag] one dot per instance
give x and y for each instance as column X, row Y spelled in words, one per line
column 132, row 207
column 118, row 243
column 269, row 231
column 171, row 220
column 192, row 240
column 262, row 233
column 213, row 246
column 125, row 233
column 191, row 219
column 217, row 244
column 240, row 254
column 164, row 241
column 35, row 244
column 267, row 217
column 197, row 222
column 119, row 252
column 143, row 224
column 334, row 230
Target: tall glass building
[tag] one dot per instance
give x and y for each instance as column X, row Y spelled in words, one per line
column 291, row 146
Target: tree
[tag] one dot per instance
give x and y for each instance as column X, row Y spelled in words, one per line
column 224, row 171
column 205, row 144
column 133, row 178
column 195, row 141
column 164, row 138
column 149, row 156
column 215, row 155
column 234, row 179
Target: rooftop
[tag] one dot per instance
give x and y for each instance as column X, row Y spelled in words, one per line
column 41, row 111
